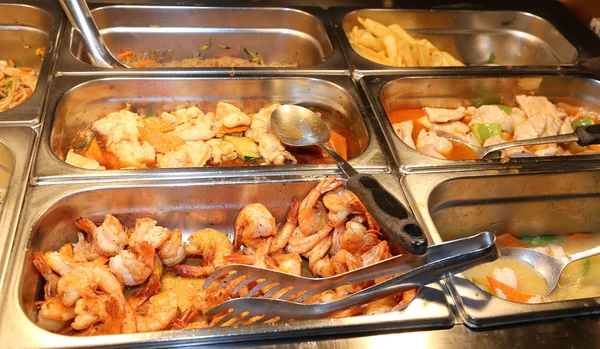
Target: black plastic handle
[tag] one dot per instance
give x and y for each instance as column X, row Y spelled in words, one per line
column 589, row 65
column 390, row 214
column 587, row 135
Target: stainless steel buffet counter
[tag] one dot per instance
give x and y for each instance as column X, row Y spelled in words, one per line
column 449, row 198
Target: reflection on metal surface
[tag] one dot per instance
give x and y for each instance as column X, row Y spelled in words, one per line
column 391, row 93
column 15, row 156
column 48, row 223
column 278, row 34
column 457, row 205
column 23, row 29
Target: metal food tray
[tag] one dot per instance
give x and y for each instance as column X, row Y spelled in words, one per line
column 24, row 27
column 76, row 102
column 519, row 39
column 392, row 93
column 452, row 206
column 278, row 34
column 15, row 158
column 47, row 223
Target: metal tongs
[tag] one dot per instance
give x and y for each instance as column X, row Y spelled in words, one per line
column 416, row 271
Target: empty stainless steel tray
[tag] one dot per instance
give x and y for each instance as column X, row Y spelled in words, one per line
column 25, row 27
column 388, row 93
column 79, row 101
column 278, row 34
column 458, row 205
column 47, row 223
column 475, row 37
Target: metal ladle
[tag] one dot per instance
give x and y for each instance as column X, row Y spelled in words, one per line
column 583, row 135
column 549, row 267
column 81, row 18
column 298, row 126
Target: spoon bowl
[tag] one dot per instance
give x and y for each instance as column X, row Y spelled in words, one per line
column 549, row 267
column 298, row 126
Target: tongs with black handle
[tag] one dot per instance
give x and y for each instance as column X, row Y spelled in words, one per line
column 416, row 271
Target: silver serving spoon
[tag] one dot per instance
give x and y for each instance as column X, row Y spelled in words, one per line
column 548, row 266
column 583, row 135
column 81, row 18
column 298, row 127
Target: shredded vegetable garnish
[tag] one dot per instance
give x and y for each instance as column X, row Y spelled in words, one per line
column 16, row 84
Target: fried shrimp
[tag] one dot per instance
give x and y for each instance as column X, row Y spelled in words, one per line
column 109, row 238
column 301, row 244
column 172, row 251
column 341, row 202
column 253, row 223
column 157, row 313
column 134, row 265
column 284, row 234
column 64, row 260
column 311, row 215
column 147, row 230
column 213, row 246
column 86, row 247
column 83, row 282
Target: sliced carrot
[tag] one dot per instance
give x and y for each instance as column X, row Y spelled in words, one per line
column 124, row 54
column 405, row 115
column 580, row 236
column 11, row 63
column 162, row 142
column 94, row 151
column 507, row 240
column 227, row 130
column 111, row 161
column 511, row 294
column 145, row 63
column 25, row 69
column 338, row 143
column 157, row 124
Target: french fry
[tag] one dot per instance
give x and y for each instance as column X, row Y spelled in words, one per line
column 401, row 34
column 424, row 55
column 407, row 56
column 453, row 61
column 354, row 35
column 436, row 59
column 376, row 28
column 369, row 41
column 445, row 62
column 372, row 55
column 390, row 47
column 426, row 42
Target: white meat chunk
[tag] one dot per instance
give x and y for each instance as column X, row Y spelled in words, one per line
column 197, row 129
column 493, row 141
column 444, row 115
column 83, row 162
column 488, row 114
column 518, row 152
column 551, row 250
column 182, row 115
column 471, row 139
column 566, row 127
column 194, row 154
column 221, row 150
column 539, row 106
column 424, row 120
column 452, row 129
column 134, row 154
column 517, row 116
column 231, row 115
column 429, row 143
column 506, row 276
column 546, row 150
column 404, row 131
column 525, row 130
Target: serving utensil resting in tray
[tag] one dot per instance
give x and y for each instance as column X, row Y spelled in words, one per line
column 298, row 126
column 416, row 271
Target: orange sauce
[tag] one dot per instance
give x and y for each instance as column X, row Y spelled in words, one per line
column 459, row 151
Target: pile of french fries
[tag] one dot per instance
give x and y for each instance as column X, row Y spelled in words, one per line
column 393, row 46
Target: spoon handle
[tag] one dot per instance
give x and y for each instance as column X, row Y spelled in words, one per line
column 79, row 14
column 348, row 170
column 584, row 254
column 587, row 135
column 570, row 137
column 389, row 213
